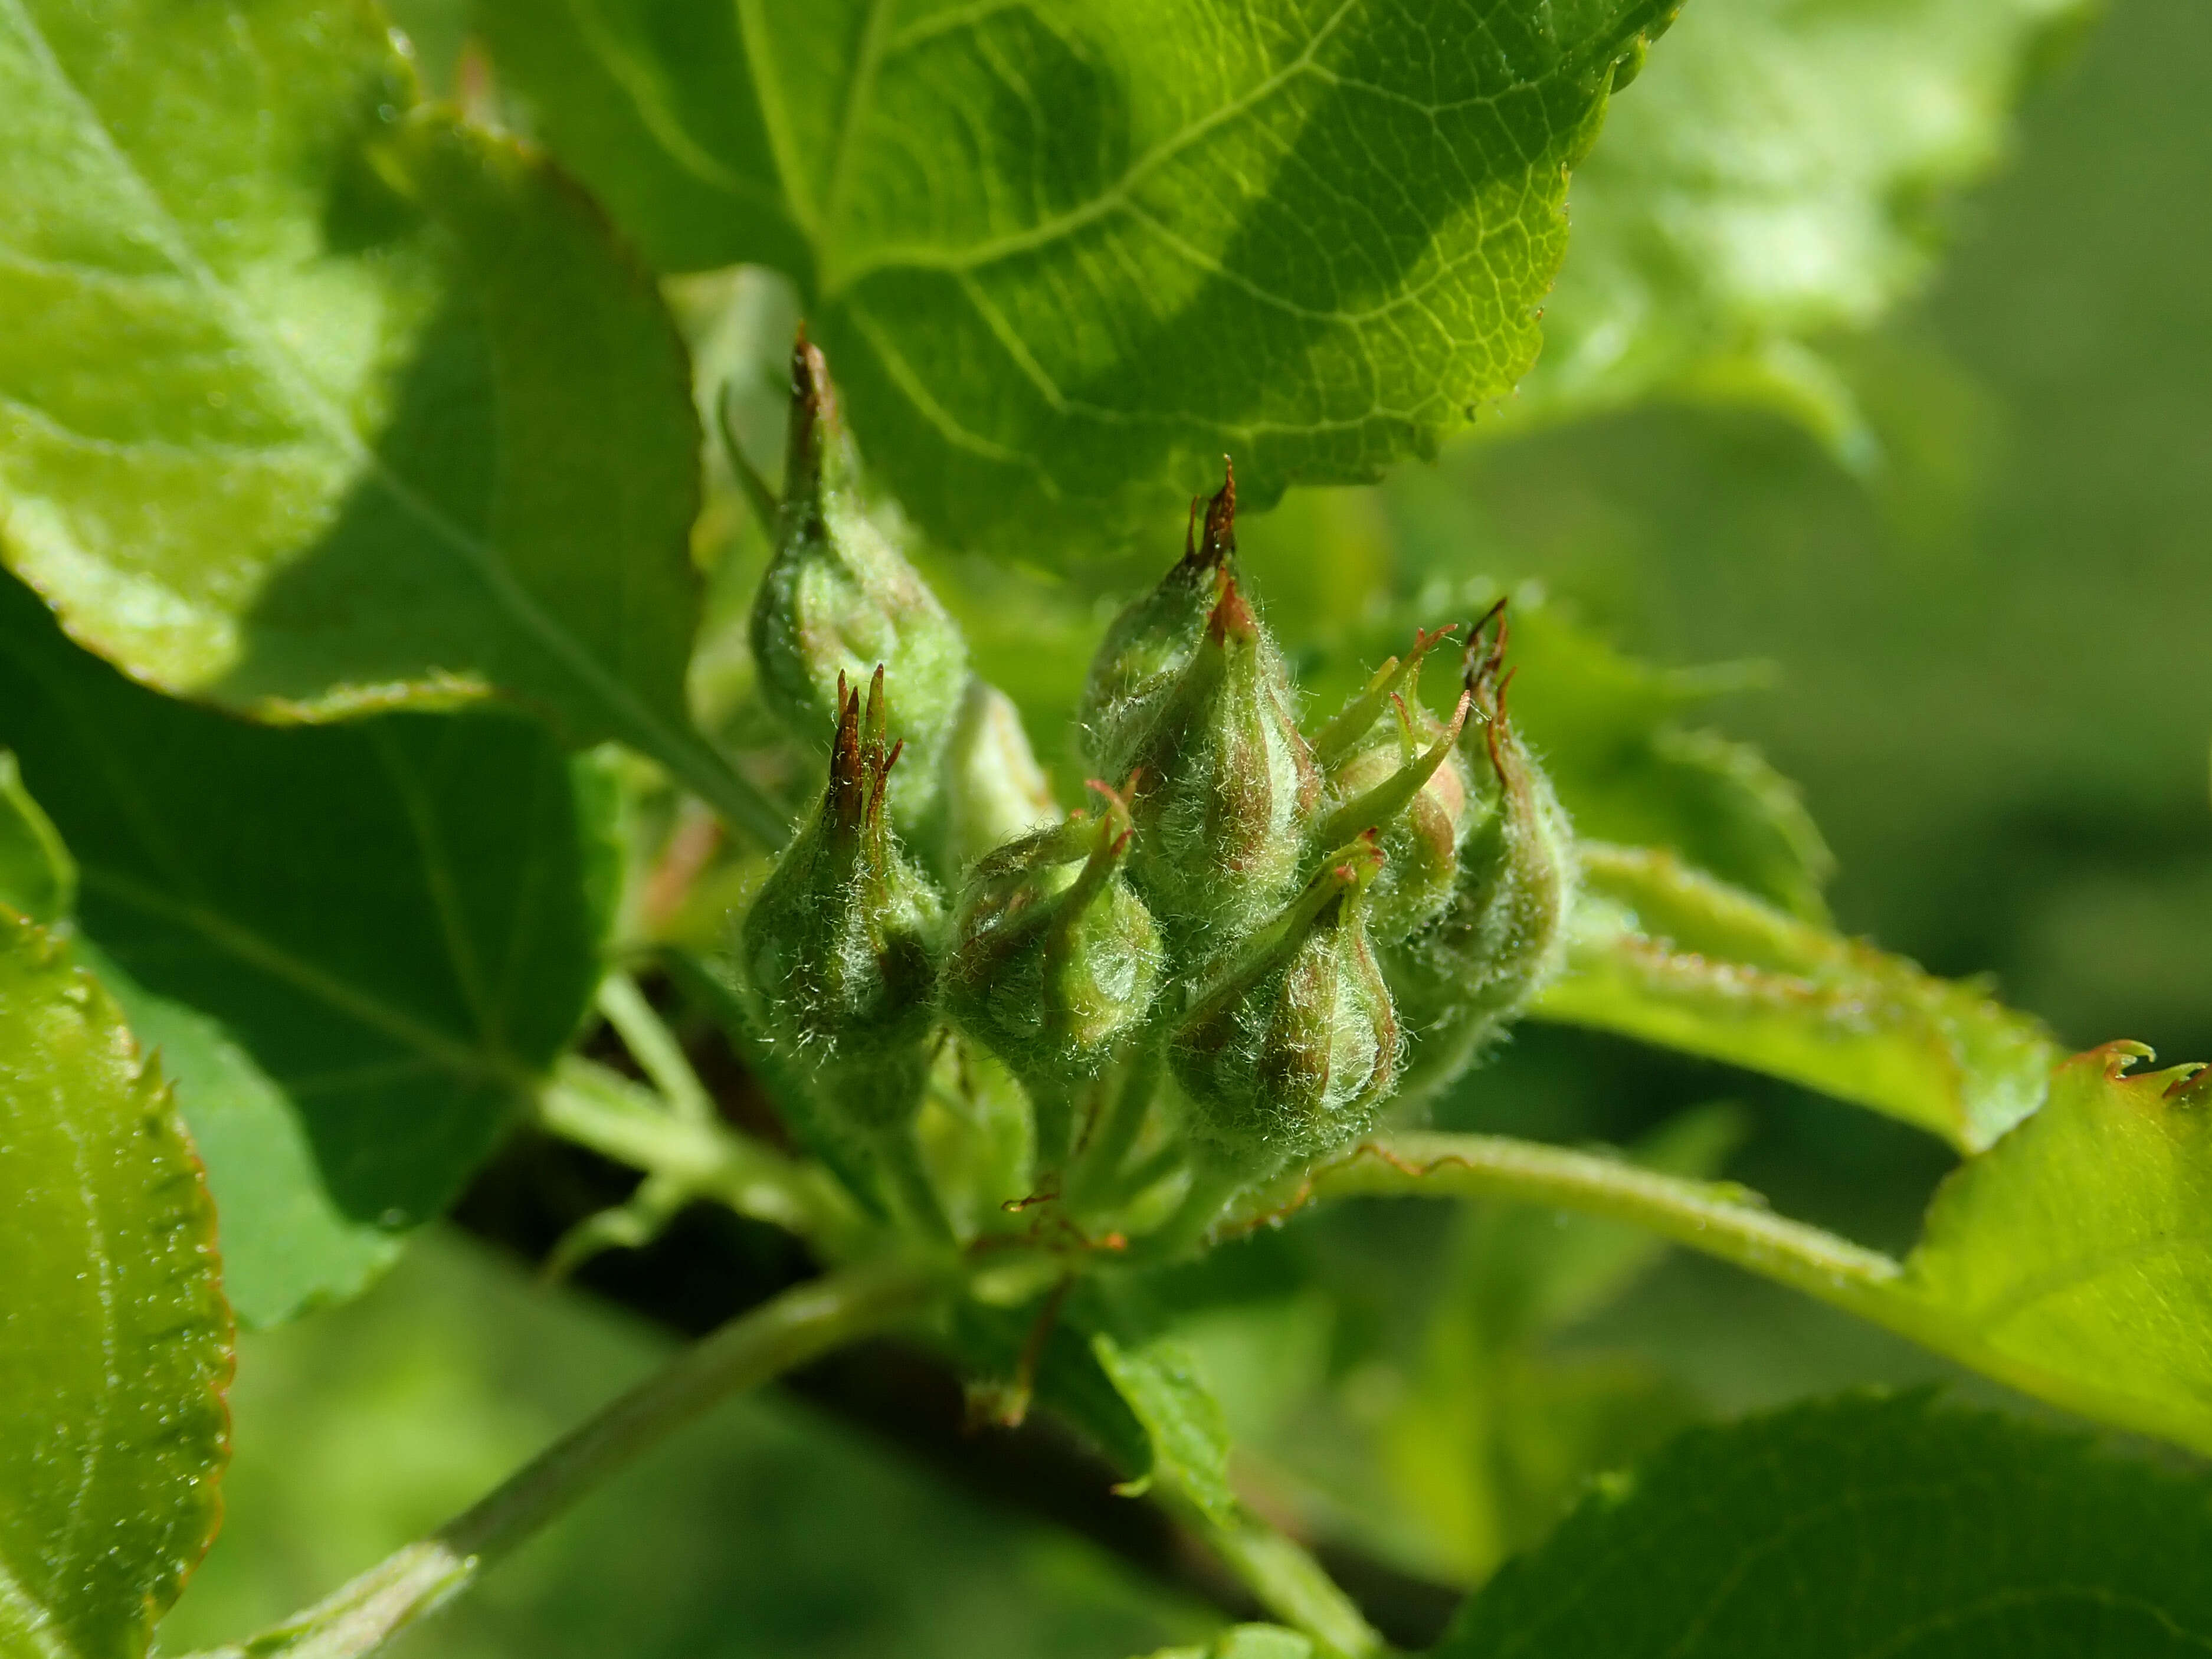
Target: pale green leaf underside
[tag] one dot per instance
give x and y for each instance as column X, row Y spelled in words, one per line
column 309, row 403
column 1661, row 952
column 1065, row 253
column 357, row 946
column 114, row 1341
column 1776, row 180
column 1857, row 1528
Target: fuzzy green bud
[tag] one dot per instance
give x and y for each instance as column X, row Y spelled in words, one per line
column 1150, row 643
column 1226, row 785
column 1225, row 789
column 994, row 790
column 1402, row 775
column 839, row 597
column 1291, row 1052
column 839, row 952
column 1502, row 938
column 1056, row 962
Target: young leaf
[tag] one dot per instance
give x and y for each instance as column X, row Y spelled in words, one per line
column 357, row 946
column 114, row 1341
column 1664, row 953
column 1863, row 1526
column 1064, row 255
column 2074, row 1255
column 1775, row 183
column 1190, row 1459
column 315, row 406
column 1189, row 1436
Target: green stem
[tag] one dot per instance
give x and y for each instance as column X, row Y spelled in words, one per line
column 654, row 1047
column 794, row 1328
column 1291, row 1584
column 1093, row 1179
column 1716, row 1219
column 1713, row 1216
column 603, row 1110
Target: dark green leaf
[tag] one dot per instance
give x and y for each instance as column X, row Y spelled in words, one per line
column 37, row 879
column 381, row 932
column 1776, row 182
column 312, row 405
column 1664, row 953
column 1863, row 1527
column 114, row 1341
column 1064, row 253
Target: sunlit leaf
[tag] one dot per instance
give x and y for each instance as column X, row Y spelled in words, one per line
column 1863, row 1526
column 1670, row 956
column 356, row 946
column 310, row 403
column 1064, row 253
column 114, row 1341
column 2075, row 1256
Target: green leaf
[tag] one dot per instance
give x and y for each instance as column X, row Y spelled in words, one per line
column 358, row 946
column 1190, row 1459
column 1858, row 1527
column 1064, row 253
column 2076, row 1254
column 37, row 879
column 1780, row 181
column 114, row 1341
column 310, row 404
column 1661, row 952
column 288, row 1246
column 1189, row 1435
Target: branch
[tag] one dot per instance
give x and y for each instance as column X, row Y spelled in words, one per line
column 803, row 1322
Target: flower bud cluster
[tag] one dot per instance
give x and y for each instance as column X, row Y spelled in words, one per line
column 1292, row 928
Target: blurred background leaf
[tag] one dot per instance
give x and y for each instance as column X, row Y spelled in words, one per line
column 762, row 1530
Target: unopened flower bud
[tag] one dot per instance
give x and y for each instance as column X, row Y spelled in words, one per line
column 1501, row 938
column 1403, row 776
column 839, row 597
column 994, row 790
column 839, row 951
column 1148, row 645
column 1225, row 785
column 1056, row 962
column 1293, row 1049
